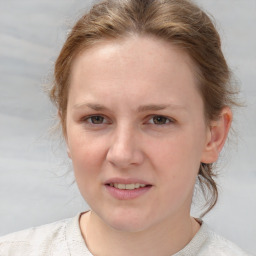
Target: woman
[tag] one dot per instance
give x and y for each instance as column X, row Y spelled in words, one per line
column 144, row 100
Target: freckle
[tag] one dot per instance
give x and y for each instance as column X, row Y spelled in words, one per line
column 173, row 177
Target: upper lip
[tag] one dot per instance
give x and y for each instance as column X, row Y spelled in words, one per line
column 126, row 181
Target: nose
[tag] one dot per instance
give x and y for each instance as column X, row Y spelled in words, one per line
column 124, row 150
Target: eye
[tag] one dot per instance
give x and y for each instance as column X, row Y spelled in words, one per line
column 95, row 120
column 160, row 120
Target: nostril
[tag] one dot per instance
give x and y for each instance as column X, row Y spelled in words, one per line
column 124, row 157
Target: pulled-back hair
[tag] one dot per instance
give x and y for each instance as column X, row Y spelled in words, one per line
column 179, row 22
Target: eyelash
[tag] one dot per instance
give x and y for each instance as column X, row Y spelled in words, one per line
column 170, row 120
column 90, row 117
column 167, row 119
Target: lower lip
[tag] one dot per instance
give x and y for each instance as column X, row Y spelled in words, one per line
column 127, row 194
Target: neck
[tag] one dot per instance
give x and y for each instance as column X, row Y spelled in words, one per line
column 166, row 238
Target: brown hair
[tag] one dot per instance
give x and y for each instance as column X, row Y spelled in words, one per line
column 179, row 22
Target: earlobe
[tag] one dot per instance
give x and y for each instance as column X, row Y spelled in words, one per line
column 59, row 114
column 216, row 136
column 68, row 152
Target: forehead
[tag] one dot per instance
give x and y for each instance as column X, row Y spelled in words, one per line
column 125, row 65
column 131, row 50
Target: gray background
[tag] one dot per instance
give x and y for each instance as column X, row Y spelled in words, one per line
column 34, row 188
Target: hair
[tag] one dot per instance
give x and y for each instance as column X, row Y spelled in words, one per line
column 179, row 22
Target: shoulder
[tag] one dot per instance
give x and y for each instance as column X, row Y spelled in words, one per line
column 218, row 245
column 33, row 241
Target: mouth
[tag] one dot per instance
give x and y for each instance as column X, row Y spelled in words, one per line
column 127, row 190
column 130, row 186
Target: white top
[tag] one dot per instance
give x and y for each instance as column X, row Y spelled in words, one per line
column 64, row 238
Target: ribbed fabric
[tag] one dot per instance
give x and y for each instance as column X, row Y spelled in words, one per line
column 64, row 238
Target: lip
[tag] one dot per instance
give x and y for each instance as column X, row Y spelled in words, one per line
column 126, row 181
column 126, row 194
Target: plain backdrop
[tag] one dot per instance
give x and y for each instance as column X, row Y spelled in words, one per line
column 34, row 189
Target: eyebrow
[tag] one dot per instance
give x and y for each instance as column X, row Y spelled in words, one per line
column 96, row 107
column 142, row 108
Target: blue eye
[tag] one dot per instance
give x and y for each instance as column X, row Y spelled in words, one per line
column 160, row 120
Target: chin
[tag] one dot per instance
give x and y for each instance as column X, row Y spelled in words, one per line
column 126, row 221
column 130, row 227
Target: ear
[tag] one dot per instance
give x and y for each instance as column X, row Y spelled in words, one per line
column 217, row 133
column 68, row 152
column 65, row 137
column 59, row 114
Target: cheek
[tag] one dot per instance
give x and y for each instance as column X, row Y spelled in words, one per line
column 87, row 159
column 179, row 150
column 177, row 159
column 175, row 164
column 87, row 154
column 83, row 145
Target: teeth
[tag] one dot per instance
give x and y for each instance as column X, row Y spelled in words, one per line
column 121, row 186
column 127, row 186
column 130, row 186
column 137, row 185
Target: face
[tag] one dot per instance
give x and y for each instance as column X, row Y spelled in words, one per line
column 135, row 131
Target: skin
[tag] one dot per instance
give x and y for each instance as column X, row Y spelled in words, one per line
column 113, row 80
